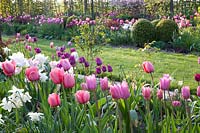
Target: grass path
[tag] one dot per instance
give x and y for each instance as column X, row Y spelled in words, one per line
column 181, row 67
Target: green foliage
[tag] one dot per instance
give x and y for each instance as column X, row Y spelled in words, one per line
column 90, row 40
column 165, row 30
column 50, row 31
column 155, row 22
column 143, row 31
column 8, row 29
column 187, row 41
column 120, row 37
column 124, row 16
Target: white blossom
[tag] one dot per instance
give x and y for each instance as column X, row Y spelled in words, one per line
column 1, row 120
column 7, row 105
column 19, row 59
column 53, row 64
column 6, row 50
column 180, row 83
column 36, row 116
column 41, row 58
column 43, row 77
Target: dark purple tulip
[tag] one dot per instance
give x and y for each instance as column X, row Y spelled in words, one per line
column 59, row 65
column 67, row 55
column 86, row 64
column 109, row 68
column 72, row 60
column 59, row 53
column 72, row 50
column 34, row 39
column 98, row 61
column 81, row 60
column 63, row 56
column 104, row 68
column 62, row 49
column 27, row 36
column 98, row 70
column 197, row 77
column 37, row 50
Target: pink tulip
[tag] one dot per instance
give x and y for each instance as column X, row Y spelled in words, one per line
column 9, row 68
column 54, row 100
column 199, row 60
column 176, row 103
column 164, row 83
column 104, row 83
column 115, row 91
column 51, row 44
column 198, row 91
column 56, row 75
column 160, row 94
column 125, row 93
column 148, row 67
column 32, row 73
column 18, row 35
column 185, row 91
column 65, row 64
column 82, row 96
column 68, row 81
column 146, row 92
column 83, row 86
column 91, row 82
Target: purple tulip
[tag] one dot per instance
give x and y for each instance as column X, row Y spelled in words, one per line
column 67, row 55
column 86, row 63
column 98, row 61
column 98, row 70
column 34, row 39
column 72, row 60
column 59, row 65
column 62, row 49
column 103, row 68
column 27, row 36
column 37, row 50
column 109, row 68
column 72, row 50
column 81, row 60
column 59, row 53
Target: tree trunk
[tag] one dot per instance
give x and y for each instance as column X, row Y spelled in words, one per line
column 92, row 9
column 171, row 8
column 85, row 7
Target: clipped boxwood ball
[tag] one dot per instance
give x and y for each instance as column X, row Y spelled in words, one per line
column 143, row 32
column 165, row 30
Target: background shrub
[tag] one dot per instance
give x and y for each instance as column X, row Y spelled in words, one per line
column 165, row 30
column 143, row 31
column 8, row 29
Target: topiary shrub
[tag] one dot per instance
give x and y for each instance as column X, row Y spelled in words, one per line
column 155, row 22
column 165, row 30
column 143, row 31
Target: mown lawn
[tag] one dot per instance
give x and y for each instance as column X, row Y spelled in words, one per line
column 180, row 66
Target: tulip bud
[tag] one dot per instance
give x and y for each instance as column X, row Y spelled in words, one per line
column 104, row 83
column 185, row 91
column 198, row 91
column 32, row 73
column 159, row 94
column 68, row 81
column 197, row 77
column 148, row 67
column 91, row 82
column 56, row 75
column 146, row 92
column 54, row 100
column 82, row 96
column 176, row 103
column 9, row 68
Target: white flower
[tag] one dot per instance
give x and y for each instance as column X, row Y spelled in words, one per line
column 6, row 50
column 71, row 70
column 126, row 26
column 53, row 64
column 31, row 62
column 26, row 97
column 18, row 70
column 43, row 77
column 36, row 116
column 7, row 105
column 19, row 59
column 180, row 83
column 16, row 90
column 1, row 120
column 40, row 58
column 1, row 65
column 75, row 54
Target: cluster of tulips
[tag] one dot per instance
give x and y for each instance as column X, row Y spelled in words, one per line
column 63, row 78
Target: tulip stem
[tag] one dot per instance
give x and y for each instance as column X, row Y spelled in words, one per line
column 152, row 80
column 128, row 127
column 120, row 118
column 98, row 112
column 189, row 115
